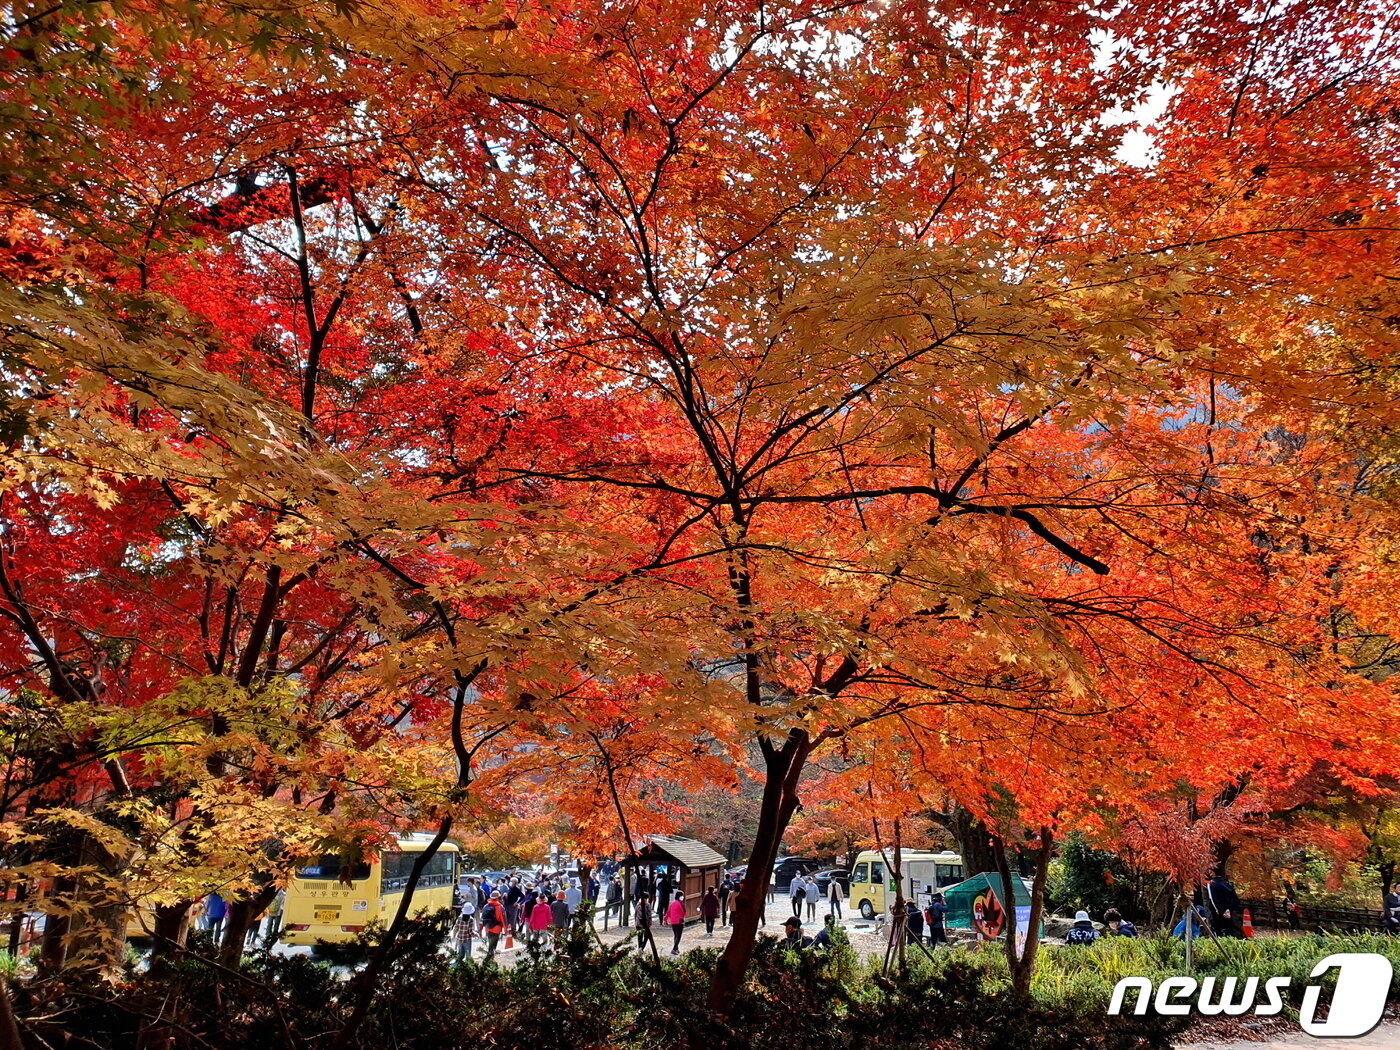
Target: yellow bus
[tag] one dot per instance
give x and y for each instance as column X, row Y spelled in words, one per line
column 326, row 903
column 872, row 886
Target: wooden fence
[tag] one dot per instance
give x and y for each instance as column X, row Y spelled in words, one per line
column 1345, row 920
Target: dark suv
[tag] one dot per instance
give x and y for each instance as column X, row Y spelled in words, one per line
column 787, row 867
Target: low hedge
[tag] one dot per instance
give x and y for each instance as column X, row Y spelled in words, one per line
column 585, row 996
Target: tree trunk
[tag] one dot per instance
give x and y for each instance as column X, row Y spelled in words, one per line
column 53, row 948
column 974, row 839
column 9, row 1028
column 782, row 772
column 172, row 928
column 239, row 920
column 1023, row 967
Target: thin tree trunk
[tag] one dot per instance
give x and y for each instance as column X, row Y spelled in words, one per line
column 53, row 948
column 782, row 772
column 1023, row 967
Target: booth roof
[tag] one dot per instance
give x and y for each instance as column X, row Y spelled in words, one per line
column 688, row 853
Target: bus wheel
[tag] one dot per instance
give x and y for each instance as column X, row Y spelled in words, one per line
column 866, row 911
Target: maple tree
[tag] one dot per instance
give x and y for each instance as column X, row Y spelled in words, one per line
column 612, row 391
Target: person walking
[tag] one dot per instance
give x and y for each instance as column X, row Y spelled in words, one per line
column 675, row 917
column 274, row 918
column 797, row 889
column 493, row 922
column 559, row 918
column 465, row 930
column 1082, row 932
column 726, row 887
column 1224, row 905
column 573, row 897
column 1292, row 912
column 644, row 921
column 215, row 908
column 936, row 915
column 811, row 893
column 614, row 898
column 709, row 910
column 514, row 901
column 540, row 918
column 835, row 898
column 914, row 922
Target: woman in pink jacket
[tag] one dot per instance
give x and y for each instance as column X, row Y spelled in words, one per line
column 675, row 915
column 539, row 919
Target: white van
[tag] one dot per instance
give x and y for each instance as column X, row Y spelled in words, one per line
column 872, row 886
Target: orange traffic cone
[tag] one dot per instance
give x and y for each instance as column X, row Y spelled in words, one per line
column 1248, row 925
column 510, row 940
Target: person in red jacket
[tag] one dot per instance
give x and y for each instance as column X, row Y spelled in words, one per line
column 493, row 921
column 709, row 910
column 675, row 918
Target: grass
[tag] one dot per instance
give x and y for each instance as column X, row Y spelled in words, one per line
column 1084, row 977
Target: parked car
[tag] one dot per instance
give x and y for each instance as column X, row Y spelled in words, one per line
column 787, row 867
column 827, row 875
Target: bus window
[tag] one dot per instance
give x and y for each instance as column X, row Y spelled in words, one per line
column 396, row 868
column 862, row 873
column 948, row 874
column 877, row 872
column 328, row 867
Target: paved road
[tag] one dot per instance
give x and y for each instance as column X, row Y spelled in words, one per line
column 1386, row 1037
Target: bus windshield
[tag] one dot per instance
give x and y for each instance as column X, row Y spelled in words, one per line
column 329, row 867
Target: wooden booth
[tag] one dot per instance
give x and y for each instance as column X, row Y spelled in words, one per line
column 671, row 864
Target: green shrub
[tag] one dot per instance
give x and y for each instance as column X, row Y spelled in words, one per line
column 585, row 996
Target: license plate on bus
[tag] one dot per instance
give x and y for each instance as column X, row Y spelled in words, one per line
column 327, row 914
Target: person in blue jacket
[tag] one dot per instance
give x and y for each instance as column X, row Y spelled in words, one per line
column 1196, row 916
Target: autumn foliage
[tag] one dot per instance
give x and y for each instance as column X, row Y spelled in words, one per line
column 446, row 415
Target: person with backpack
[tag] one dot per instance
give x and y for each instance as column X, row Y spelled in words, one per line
column 493, row 922
column 1082, row 932
column 936, row 915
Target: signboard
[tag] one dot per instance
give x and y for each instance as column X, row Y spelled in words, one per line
column 1023, row 927
column 988, row 916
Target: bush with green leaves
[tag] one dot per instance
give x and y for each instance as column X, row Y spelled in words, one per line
column 585, row 995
